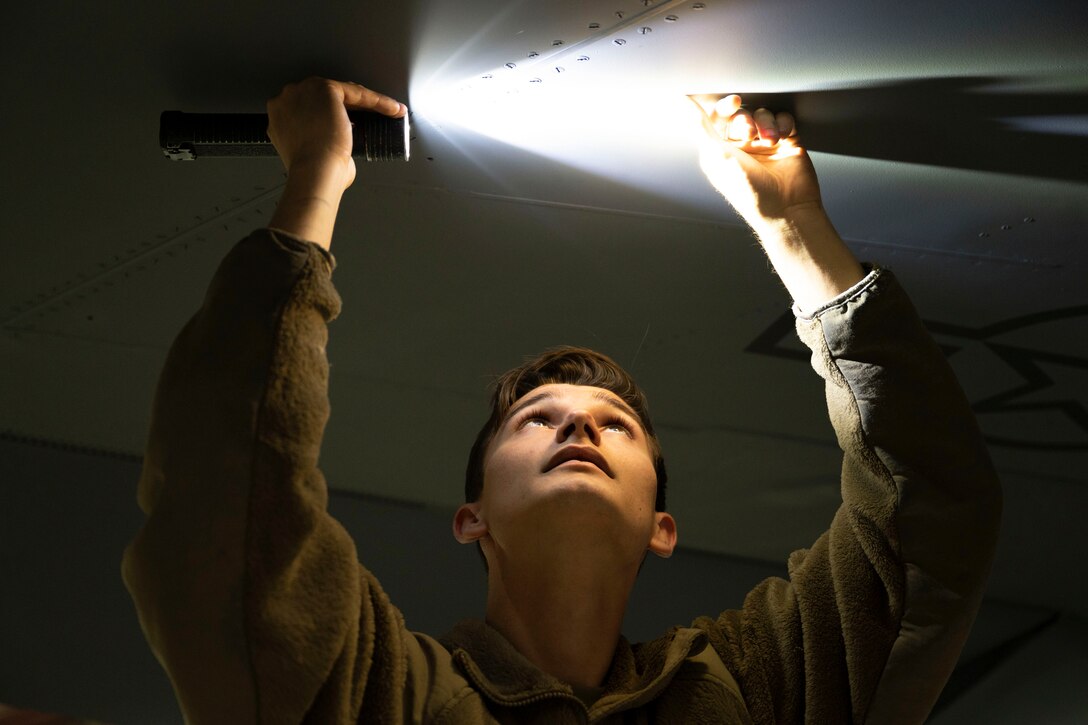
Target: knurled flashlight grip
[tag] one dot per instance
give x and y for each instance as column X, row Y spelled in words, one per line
column 188, row 136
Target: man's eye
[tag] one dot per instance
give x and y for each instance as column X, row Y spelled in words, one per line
column 534, row 422
column 618, row 425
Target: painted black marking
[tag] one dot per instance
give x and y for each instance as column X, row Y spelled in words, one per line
column 1025, row 362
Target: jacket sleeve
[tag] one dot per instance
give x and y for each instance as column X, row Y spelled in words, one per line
column 873, row 617
column 249, row 593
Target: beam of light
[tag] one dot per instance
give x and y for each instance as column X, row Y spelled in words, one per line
column 614, row 104
column 581, row 104
column 583, row 124
column 598, row 123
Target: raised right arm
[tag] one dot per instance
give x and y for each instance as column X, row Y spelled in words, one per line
column 308, row 123
column 249, row 593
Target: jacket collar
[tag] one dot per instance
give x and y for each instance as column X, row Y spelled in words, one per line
column 637, row 674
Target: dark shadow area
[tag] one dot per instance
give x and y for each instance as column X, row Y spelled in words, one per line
column 969, row 674
column 947, row 122
column 240, row 58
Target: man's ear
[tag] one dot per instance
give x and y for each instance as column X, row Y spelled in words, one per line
column 468, row 526
column 664, row 539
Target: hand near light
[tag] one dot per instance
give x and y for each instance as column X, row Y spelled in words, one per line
column 754, row 160
column 309, row 126
column 308, row 122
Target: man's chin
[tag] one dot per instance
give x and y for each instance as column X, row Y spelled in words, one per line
column 589, row 496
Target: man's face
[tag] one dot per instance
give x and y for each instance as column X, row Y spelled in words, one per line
column 570, row 460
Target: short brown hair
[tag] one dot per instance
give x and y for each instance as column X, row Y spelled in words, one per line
column 572, row 366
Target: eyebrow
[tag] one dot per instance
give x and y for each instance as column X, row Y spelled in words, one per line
column 599, row 395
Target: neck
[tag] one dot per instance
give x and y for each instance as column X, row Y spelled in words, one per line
column 563, row 613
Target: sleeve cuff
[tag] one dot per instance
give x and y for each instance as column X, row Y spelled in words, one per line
column 288, row 239
column 872, row 273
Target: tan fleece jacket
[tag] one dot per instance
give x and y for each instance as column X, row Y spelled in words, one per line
column 254, row 601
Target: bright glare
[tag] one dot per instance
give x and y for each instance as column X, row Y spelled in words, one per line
column 786, row 147
column 598, row 119
column 574, row 118
column 740, row 129
column 727, row 106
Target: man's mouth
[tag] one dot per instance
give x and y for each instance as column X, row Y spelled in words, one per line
column 579, row 453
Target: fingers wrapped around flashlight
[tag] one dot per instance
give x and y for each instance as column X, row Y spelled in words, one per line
column 759, row 131
column 760, row 128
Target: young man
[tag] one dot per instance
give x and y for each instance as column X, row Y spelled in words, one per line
column 252, row 596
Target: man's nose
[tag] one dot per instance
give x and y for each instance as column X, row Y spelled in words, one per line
column 579, row 424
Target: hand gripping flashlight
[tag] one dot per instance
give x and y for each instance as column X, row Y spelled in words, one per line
column 187, row 136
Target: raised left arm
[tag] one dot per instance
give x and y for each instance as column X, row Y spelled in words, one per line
column 873, row 616
column 756, row 162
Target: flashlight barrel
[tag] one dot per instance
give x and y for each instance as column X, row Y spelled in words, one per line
column 188, row 136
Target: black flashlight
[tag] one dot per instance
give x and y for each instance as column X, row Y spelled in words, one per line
column 187, row 136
